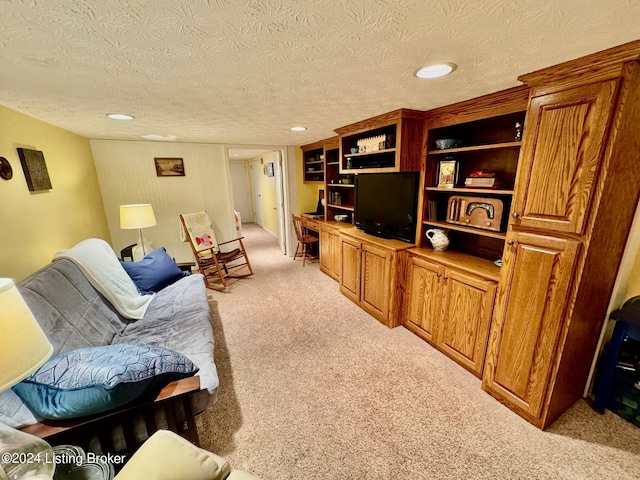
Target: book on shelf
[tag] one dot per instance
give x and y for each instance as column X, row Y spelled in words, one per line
column 482, row 182
column 432, row 210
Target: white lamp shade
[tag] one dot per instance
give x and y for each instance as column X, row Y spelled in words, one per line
column 137, row 216
column 23, row 345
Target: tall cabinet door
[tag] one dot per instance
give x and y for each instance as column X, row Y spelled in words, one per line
column 530, row 314
column 422, row 297
column 376, row 279
column 467, row 307
column 562, row 146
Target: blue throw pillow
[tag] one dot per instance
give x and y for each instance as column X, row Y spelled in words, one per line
column 154, row 272
column 92, row 380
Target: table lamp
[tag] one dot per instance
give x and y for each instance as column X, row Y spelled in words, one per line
column 138, row 216
column 23, row 349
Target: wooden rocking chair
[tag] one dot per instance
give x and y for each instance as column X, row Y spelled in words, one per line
column 213, row 263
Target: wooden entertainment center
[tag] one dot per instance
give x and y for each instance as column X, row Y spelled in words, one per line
column 565, row 151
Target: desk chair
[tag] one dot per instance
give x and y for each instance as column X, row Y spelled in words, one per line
column 305, row 239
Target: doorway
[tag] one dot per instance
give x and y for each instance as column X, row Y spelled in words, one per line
column 263, row 172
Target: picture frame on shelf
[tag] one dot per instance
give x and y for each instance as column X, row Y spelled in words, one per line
column 447, row 173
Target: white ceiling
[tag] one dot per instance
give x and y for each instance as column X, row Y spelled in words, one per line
column 242, row 73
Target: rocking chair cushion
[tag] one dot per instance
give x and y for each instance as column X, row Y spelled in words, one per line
column 154, row 272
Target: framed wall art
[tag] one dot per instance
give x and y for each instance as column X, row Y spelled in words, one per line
column 169, row 167
column 35, row 169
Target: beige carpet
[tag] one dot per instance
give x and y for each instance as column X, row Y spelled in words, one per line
column 311, row 387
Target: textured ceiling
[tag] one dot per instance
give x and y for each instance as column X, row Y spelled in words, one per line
column 225, row 71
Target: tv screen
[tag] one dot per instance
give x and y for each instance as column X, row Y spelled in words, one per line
column 386, row 204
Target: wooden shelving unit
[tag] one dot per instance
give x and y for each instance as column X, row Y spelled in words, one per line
column 313, row 162
column 488, row 143
column 400, row 151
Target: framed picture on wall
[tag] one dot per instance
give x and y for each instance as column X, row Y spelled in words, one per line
column 270, row 169
column 169, row 167
column 35, row 169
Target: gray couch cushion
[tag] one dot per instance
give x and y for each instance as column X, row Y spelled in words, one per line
column 69, row 310
column 178, row 318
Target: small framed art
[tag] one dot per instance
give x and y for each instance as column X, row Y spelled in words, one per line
column 35, row 169
column 169, row 167
column 447, row 173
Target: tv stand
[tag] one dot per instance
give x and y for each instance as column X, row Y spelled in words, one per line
column 371, row 275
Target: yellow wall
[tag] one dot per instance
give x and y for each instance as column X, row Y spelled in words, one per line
column 34, row 225
column 307, row 192
column 268, row 191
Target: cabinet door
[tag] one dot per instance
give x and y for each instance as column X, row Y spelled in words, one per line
column 422, row 297
column 326, row 251
column 350, row 269
column 336, row 256
column 467, row 307
column 562, row 148
column 530, row 314
column 375, row 280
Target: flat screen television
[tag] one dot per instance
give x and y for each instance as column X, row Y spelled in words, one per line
column 386, row 204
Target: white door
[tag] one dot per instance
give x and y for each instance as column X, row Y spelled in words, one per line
column 277, row 163
column 240, row 186
column 256, row 171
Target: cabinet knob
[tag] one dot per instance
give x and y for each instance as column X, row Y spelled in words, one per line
column 510, row 242
column 515, row 214
column 438, row 275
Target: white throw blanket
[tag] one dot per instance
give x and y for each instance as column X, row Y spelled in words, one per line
column 97, row 261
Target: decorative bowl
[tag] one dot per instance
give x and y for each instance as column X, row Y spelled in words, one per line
column 445, row 143
column 354, row 149
column 340, row 218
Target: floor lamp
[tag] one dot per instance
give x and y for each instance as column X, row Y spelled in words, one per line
column 23, row 349
column 138, row 216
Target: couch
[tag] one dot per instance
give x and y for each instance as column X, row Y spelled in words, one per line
column 73, row 314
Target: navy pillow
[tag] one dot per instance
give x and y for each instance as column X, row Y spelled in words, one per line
column 154, row 272
column 92, row 380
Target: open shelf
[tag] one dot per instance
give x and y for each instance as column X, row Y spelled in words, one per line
column 348, row 208
column 364, row 154
column 460, row 228
column 475, row 148
column 489, row 191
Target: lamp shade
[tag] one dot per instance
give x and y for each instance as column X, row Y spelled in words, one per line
column 23, row 345
column 137, row 216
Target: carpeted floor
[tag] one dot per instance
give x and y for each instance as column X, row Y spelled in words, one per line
column 312, row 387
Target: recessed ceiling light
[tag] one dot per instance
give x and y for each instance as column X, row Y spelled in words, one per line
column 235, row 155
column 298, row 129
column 120, row 116
column 437, row 70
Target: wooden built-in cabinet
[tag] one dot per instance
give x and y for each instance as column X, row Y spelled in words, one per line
column 574, row 200
column 564, row 148
column 370, row 274
column 399, row 150
column 449, row 302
